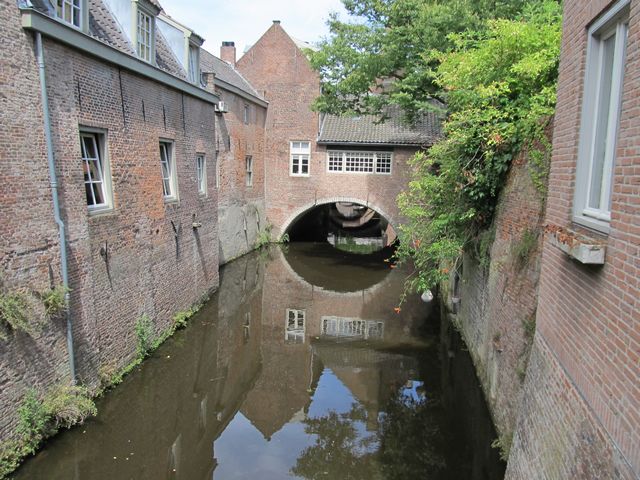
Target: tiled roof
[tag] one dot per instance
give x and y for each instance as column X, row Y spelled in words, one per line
column 104, row 27
column 224, row 71
column 166, row 60
column 368, row 130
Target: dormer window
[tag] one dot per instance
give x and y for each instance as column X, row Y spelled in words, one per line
column 70, row 11
column 144, row 36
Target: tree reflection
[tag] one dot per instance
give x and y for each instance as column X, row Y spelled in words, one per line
column 407, row 443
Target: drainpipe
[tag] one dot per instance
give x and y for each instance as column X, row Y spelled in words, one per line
column 56, row 204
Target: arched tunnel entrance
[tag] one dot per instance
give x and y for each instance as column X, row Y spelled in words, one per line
column 347, row 226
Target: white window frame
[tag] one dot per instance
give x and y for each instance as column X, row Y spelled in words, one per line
column 614, row 22
column 295, row 334
column 68, row 11
column 376, row 155
column 298, row 154
column 201, row 173
column 248, row 166
column 141, row 14
column 168, row 170
column 103, row 181
column 193, row 62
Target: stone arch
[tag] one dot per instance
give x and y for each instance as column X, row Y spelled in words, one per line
column 299, row 212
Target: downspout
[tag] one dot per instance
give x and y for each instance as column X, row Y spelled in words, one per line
column 56, row 204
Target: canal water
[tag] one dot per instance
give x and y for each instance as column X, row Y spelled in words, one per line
column 298, row 367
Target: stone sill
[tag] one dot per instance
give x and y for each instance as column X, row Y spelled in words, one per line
column 585, row 250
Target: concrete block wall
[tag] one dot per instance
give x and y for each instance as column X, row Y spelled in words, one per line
column 148, row 267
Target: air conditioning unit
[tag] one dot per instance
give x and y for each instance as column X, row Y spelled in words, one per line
column 221, row 107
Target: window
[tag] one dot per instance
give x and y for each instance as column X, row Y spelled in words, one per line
column 168, row 171
column 600, row 117
column 352, row 328
column 70, row 11
column 144, row 35
column 294, row 330
column 201, row 174
column 359, row 162
column 217, row 168
column 97, row 178
column 245, row 115
column 299, row 163
column 248, row 160
column 194, row 71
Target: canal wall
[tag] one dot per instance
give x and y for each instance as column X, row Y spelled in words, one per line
column 493, row 296
column 141, row 257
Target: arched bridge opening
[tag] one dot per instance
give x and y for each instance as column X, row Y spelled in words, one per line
column 347, row 225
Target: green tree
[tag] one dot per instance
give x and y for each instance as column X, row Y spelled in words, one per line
column 398, row 41
column 500, row 94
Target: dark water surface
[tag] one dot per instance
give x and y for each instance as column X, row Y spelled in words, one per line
column 298, row 367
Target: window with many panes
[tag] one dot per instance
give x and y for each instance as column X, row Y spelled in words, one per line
column 294, row 328
column 601, row 117
column 248, row 160
column 144, row 36
column 70, row 11
column 168, row 168
column 201, row 174
column 358, row 162
column 97, row 178
column 299, row 159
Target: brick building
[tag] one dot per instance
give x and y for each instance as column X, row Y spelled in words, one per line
column 240, row 154
column 580, row 412
column 132, row 141
column 311, row 161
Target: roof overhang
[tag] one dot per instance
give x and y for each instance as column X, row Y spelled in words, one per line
column 50, row 27
column 241, row 93
column 331, row 143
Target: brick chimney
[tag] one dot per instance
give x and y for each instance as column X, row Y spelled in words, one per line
column 228, row 52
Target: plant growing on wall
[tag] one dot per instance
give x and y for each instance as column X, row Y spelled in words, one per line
column 500, row 91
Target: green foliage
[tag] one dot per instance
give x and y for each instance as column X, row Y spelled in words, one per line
column 500, row 90
column 264, row 236
column 398, row 40
column 522, row 249
column 62, row 406
column 53, row 300
column 284, row 238
column 144, row 334
column 17, row 313
column 503, row 443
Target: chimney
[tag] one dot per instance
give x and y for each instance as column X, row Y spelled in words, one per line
column 228, row 52
column 276, row 22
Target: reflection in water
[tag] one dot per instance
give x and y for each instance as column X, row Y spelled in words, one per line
column 279, row 377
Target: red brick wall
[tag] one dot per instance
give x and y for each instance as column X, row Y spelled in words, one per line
column 276, row 67
column 149, row 271
column 588, row 339
column 240, row 205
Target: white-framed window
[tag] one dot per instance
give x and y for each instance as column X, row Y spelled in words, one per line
column 70, row 11
column 97, row 175
column 294, row 326
column 144, row 35
column 194, row 61
column 201, row 173
column 345, row 161
column 168, row 167
column 300, row 153
column 248, row 166
column 606, row 52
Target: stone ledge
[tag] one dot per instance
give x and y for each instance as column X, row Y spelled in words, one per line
column 585, row 250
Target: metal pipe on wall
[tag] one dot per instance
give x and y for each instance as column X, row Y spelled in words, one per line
column 56, row 203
